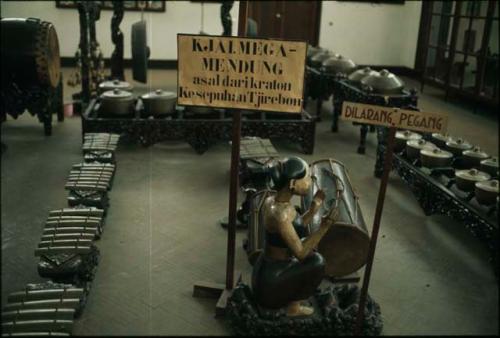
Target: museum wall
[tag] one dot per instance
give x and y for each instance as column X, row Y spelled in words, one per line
column 179, row 17
column 374, row 34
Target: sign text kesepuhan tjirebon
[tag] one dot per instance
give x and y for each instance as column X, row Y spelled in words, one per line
column 241, row 73
column 394, row 117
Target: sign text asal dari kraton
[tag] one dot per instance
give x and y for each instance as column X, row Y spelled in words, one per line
column 243, row 73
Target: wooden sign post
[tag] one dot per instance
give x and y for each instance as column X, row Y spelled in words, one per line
column 393, row 118
column 238, row 73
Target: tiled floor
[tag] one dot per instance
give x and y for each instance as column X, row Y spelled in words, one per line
column 430, row 276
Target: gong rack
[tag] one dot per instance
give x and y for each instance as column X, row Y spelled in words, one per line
column 345, row 91
column 436, row 192
column 67, row 252
column 88, row 56
column 39, row 101
column 201, row 130
column 319, row 87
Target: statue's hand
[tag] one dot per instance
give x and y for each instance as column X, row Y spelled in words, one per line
column 330, row 218
column 318, row 199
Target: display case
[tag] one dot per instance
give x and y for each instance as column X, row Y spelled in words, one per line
column 458, row 48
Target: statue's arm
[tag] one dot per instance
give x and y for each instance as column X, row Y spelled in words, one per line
column 316, row 203
column 302, row 249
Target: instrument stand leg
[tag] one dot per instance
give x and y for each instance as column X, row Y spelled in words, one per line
column 319, row 104
column 353, row 278
column 59, row 101
column 47, row 121
column 336, row 109
column 224, row 222
column 362, row 140
column 216, row 290
column 242, row 214
column 77, row 104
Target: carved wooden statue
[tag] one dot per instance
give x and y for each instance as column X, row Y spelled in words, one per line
column 117, row 38
column 225, row 17
column 84, row 50
column 96, row 57
column 289, row 270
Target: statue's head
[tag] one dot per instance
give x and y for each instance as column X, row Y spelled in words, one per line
column 290, row 173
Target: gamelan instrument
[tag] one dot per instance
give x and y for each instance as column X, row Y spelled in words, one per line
column 345, row 245
column 30, row 53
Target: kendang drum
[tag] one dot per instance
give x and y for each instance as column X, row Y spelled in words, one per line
column 30, row 53
column 345, row 245
column 256, row 227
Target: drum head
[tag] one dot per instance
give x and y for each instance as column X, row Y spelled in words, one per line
column 53, row 58
column 345, row 249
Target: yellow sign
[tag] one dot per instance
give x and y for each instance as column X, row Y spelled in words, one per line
column 241, row 73
column 394, row 117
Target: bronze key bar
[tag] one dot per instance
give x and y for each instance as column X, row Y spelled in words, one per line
column 73, row 218
column 94, row 212
column 35, row 334
column 99, row 148
column 96, row 178
column 62, row 249
column 67, row 236
column 68, row 230
column 90, row 173
column 29, row 295
column 73, row 223
column 64, row 243
column 91, row 166
column 88, row 180
column 38, row 325
column 94, row 171
column 67, row 303
column 86, row 187
column 64, row 314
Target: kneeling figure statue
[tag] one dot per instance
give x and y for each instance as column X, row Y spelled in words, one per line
column 289, row 271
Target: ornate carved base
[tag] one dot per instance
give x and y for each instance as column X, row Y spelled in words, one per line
column 315, row 88
column 69, row 267
column 437, row 194
column 101, row 156
column 39, row 101
column 89, row 198
column 335, row 314
column 201, row 133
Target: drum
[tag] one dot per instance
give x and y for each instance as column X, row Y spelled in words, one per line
column 256, row 227
column 345, row 245
column 30, row 52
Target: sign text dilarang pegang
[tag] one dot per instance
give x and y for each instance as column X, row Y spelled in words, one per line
column 242, row 73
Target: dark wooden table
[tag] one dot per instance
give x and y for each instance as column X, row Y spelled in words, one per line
column 437, row 194
column 202, row 130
